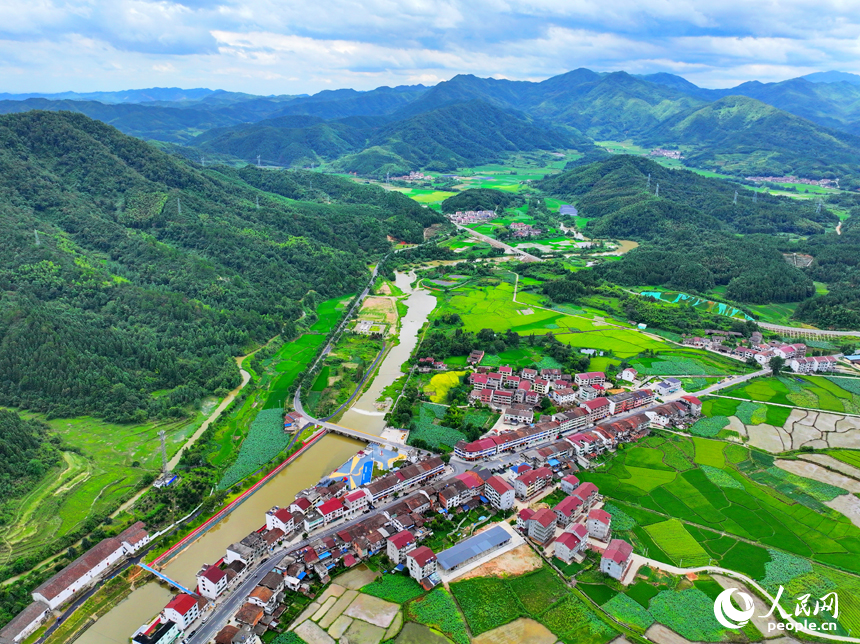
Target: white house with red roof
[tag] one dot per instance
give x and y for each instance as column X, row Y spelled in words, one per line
column 590, row 378
column 211, row 581
column 281, row 519
column 588, row 493
column 599, row 523
column 399, row 545
column 300, row 504
column 571, row 543
column 523, row 518
column 500, row 493
column 541, row 385
column 563, row 396
column 568, row 509
column 542, row 525
column 569, row 483
column 421, row 563
column 528, row 374
column 629, row 374
column 502, row 397
column 596, row 409
column 616, row 558
column 694, row 404
column 182, row 610
column 356, row 502
column 528, row 484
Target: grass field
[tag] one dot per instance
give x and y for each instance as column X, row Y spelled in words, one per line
column 800, row 391
column 93, row 482
column 673, row 539
column 293, row 358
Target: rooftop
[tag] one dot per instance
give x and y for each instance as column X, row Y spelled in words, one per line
column 473, row 547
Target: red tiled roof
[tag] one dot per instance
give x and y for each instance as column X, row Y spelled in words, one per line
column 618, row 551
column 530, row 477
column 354, row 496
column 568, row 539
column 570, row 478
column 545, row 517
column 470, row 479
column 585, row 490
column 332, row 505
column 600, row 515
column 214, row 574
column 401, row 539
column 78, row 568
column 580, row 531
column 182, row 603
column 499, row 484
column 349, row 561
column 422, row 555
column 692, row 399
column 303, row 503
column 568, row 505
column 591, row 374
column 284, row 515
column 597, row 403
column 526, row 514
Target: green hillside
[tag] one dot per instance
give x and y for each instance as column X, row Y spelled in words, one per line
column 690, row 229
column 144, row 274
column 742, row 136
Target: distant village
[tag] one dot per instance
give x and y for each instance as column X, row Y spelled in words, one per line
column 823, row 183
column 762, row 352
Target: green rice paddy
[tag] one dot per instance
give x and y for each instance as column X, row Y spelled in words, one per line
column 799, row 391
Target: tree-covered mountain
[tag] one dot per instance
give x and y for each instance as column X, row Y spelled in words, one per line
column 445, row 138
column 26, row 453
column 126, row 271
column 481, row 199
column 743, row 136
column 690, row 229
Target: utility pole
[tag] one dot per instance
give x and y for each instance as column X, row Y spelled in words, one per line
column 755, row 197
column 162, row 435
column 203, row 160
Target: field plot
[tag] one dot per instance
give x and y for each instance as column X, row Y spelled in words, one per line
column 673, row 539
column 89, row 483
column 687, row 362
column 441, row 383
column 800, row 391
column 293, row 358
column 429, row 429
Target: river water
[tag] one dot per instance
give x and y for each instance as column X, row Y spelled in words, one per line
column 363, row 414
column 148, row 600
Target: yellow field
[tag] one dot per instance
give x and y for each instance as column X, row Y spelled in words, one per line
column 441, row 384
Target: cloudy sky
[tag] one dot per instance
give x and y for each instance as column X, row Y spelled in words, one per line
column 290, row 47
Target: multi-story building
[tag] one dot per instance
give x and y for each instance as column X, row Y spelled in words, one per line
column 399, row 545
column 596, row 409
column 541, row 386
column 587, row 392
column 280, row 518
column 499, row 492
column 532, row 482
column 211, row 581
column 568, row 509
column 590, row 378
column 588, row 493
column 502, row 397
column 551, row 374
column 616, row 558
column 528, row 374
column 421, row 563
column 542, row 525
column 569, row 483
column 571, row 543
column 629, row 374
column 563, row 396
column 519, row 414
column 182, row 610
column 571, row 420
column 619, row 403
column 599, row 524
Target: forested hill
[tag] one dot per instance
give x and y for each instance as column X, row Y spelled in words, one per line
column 743, row 136
column 126, row 271
column 623, row 202
column 442, row 139
column 689, row 228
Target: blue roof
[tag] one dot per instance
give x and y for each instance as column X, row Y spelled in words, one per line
column 302, row 575
column 325, row 555
column 857, row 357
column 472, row 547
column 552, row 462
column 484, row 499
column 398, row 567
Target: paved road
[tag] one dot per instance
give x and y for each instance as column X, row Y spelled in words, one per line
column 639, row 560
column 495, row 243
column 228, row 607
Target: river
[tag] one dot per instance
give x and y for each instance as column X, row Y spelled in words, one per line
column 363, row 414
column 148, row 600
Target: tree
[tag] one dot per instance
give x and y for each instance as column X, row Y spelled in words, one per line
column 776, row 365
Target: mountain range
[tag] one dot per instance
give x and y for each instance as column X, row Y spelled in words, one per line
column 806, row 126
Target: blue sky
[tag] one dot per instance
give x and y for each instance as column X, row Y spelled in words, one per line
column 288, row 47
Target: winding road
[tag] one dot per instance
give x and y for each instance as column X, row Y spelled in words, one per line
column 495, row 243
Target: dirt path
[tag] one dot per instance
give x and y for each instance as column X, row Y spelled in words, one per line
column 817, row 472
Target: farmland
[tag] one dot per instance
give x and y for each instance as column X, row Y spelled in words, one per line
column 265, row 440
column 801, row 391
column 441, row 383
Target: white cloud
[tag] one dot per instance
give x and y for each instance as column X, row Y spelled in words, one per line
column 292, row 46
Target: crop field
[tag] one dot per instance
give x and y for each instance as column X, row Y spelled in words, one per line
column 432, row 433
column 778, row 514
column 846, row 456
column 394, row 588
column 692, row 385
column 800, row 391
column 438, row 610
column 293, row 358
column 687, row 362
column 441, row 383
column 93, row 482
column 329, row 312
column 486, row 602
column 749, row 413
column 673, row 539
column 265, row 440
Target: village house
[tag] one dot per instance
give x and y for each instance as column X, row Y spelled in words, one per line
column 399, row 545
column 619, row 403
column 500, row 493
column 564, row 396
column 567, row 510
column 519, row 414
column 616, row 559
column 541, row 525
column 629, row 374
column 587, row 392
column 280, row 518
column 597, row 408
column 813, row 364
column 421, row 563
column 265, row 598
column 475, row 357
column 668, row 386
column 569, row 483
column 590, row 378
column 598, row 524
column 528, row 374
column 571, row 543
column 211, row 581
column 541, row 386
column 532, row 482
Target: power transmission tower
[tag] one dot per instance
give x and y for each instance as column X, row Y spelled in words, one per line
column 755, row 197
column 38, row 242
column 649, row 181
column 162, row 436
column 258, row 160
column 203, row 160
column 178, row 206
column 258, row 202
column 657, row 191
column 736, row 197
column 818, row 208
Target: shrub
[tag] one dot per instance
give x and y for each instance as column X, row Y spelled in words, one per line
column 394, row 588
column 620, row 519
column 265, row 440
column 628, row 611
